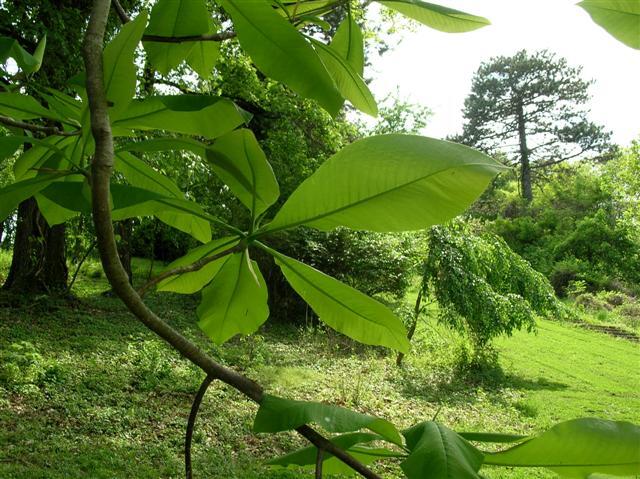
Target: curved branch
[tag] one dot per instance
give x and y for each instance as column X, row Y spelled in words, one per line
column 195, row 266
column 101, row 167
column 47, row 130
column 191, row 423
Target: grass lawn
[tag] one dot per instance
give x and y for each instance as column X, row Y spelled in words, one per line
column 86, row 391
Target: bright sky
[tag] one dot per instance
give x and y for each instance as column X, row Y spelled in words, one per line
column 435, row 69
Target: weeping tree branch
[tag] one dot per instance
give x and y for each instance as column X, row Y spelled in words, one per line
column 101, row 167
column 191, row 423
column 47, row 130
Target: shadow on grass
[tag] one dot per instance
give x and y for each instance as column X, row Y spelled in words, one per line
column 460, row 384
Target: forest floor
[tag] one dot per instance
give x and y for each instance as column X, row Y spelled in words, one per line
column 86, row 391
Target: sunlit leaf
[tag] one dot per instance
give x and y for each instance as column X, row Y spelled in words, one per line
column 349, row 44
column 349, row 83
column 389, row 183
column 200, row 115
column 439, row 450
column 236, row 300
column 175, row 18
column 189, row 283
column 278, row 414
column 621, row 18
column 436, row 16
column 119, row 68
column 240, row 162
column 279, row 51
column 342, row 307
column 578, row 448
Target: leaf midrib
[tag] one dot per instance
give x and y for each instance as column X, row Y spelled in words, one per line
column 368, row 198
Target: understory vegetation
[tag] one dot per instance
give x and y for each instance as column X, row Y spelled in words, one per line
column 87, row 390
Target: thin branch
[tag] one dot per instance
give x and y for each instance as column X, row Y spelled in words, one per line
column 195, row 266
column 47, row 130
column 191, row 423
column 210, row 37
column 102, row 166
column 124, row 18
column 84, row 258
column 319, row 464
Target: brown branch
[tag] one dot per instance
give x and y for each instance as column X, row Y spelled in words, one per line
column 319, row 464
column 195, row 266
column 191, row 424
column 122, row 15
column 210, row 37
column 102, row 166
column 47, row 130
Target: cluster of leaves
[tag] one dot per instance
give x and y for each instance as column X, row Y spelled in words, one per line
column 566, row 449
column 482, row 286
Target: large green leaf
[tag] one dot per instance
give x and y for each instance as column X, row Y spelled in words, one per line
column 279, row 50
column 23, row 107
column 200, row 115
column 66, row 107
column 175, row 18
column 9, row 145
column 350, row 84
column 349, row 44
column 621, row 18
column 236, row 300
column 10, row 48
column 351, row 442
column 342, row 307
column 119, row 68
column 240, row 162
column 436, row 16
column 493, row 437
column 278, row 414
column 441, row 452
column 296, row 8
column 578, row 448
column 11, row 195
column 189, row 283
column 41, row 151
column 165, row 144
column 204, row 55
column 139, row 174
column 62, row 200
column 130, row 201
column 389, row 183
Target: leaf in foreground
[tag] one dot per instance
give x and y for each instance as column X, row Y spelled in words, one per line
column 578, row 448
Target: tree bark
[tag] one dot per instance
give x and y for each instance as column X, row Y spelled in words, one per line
column 38, row 264
column 525, row 166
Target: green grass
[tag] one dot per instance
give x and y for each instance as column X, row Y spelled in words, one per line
column 86, row 391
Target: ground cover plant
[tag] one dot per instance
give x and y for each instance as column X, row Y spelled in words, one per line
column 383, row 183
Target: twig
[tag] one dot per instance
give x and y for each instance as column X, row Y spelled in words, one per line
column 48, row 130
column 195, row 266
column 102, row 166
column 191, row 423
column 210, row 37
column 124, row 18
column 84, row 257
column 319, row 464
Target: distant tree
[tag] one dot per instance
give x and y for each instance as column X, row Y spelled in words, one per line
column 482, row 287
column 531, row 107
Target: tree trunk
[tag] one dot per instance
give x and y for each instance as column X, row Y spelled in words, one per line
column 525, row 166
column 38, row 264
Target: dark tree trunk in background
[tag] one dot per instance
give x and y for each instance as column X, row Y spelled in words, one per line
column 124, row 246
column 38, row 264
column 525, row 166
